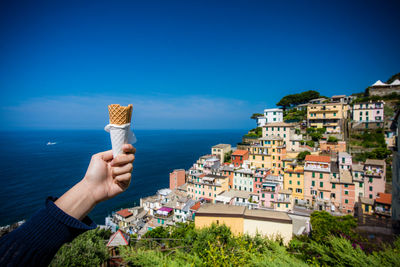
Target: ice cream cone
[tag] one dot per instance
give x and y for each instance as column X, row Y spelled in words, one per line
column 119, row 127
column 120, row 115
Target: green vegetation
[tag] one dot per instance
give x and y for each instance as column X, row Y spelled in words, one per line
column 316, row 133
column 332, row 139
column 294, row 115
column 227, row 156
column 296, row 99
column 256, row 132
column 393, row 96
column 369, row 138
column 377, row 153
column 302, row 155
column 333, row 242
column 88, row 249
column 394, row 77
column 256, row 115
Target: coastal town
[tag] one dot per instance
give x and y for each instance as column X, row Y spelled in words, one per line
column 311, row 153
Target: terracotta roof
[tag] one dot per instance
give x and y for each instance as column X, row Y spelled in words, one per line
column 125, row 213
column 196, row 206
column 316, row 158
column 384, row 198
column 240, row 152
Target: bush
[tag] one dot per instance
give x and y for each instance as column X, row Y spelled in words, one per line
column 88, row 249
column 332, row 139
column 302, row 155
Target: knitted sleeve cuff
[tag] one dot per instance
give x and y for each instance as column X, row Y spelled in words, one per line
column 62, row 217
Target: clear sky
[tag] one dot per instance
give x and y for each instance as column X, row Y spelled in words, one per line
column 184, row 64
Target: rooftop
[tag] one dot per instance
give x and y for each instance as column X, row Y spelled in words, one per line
column 222, row 146
column 326, row 159
column 267, row 214
column 358, row 167
column 345, row 177
column 280, row 124
column 378, row 162
column 365, row 200
column 235, row 193
column 124, row 213
column 221, row 209
column 384, row 198
column 270, row 137
column 240, row 152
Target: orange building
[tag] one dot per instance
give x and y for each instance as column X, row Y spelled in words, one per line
column 176, row 178
column 239, row 156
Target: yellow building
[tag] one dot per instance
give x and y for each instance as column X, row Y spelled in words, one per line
column 330, row 116
column 242, row 220
column 208, row 187
column 221, row 150
column 268, row 153
column 293, row 179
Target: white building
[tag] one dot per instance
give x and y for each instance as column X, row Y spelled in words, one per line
column 243, row 180
column 270, row 115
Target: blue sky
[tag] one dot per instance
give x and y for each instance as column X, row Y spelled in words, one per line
column 184, row 64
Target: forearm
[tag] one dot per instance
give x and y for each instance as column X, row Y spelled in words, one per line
column 78, row 201
column 36, row 241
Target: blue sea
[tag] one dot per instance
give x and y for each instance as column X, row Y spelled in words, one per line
column 30, row 170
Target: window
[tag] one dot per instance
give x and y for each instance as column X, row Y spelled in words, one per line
column 370, row 196
column 313, row 175
column 356, row 174
column 370, row 188
column 263, row 195
column 279, row 205
column 290, row 181
column 287, row 205
column 343, row 160
column 313, row 183
column 321, row 184
column 254, row 157
column 361, row 184
column 298, row 182
column 334, row 114
column 272, row 195
column 346, row 192
column 370, row 180
column 298, row 175
column 333, row 186
column 346, row 185
column 320, row 175
column 346, row 201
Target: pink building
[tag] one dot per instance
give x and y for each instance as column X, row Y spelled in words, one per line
column 176, row 178
column 268, row 194
column 368, row 112
column 317, row 186
column 260, row 177
column 343, row 192
column 375, row 177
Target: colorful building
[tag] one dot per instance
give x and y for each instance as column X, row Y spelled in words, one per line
column 330, row 116
column 339, row 146
column 375, row 177
column 268, row 153
column 239, row 156
column 270, row 115
column 220, row 151
column 285, row 130
column 242, row 220
column 177, row 178
column 206, row 187
column 243, row 180
column 369, row 113
column 293, row 180
column 317, row 186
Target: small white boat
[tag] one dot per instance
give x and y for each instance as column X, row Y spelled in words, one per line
column 51, row 143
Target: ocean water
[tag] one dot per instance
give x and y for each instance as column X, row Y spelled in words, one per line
column 30, row 170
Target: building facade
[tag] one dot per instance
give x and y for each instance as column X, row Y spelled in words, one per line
column 330, row 116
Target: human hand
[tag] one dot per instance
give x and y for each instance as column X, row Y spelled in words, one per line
column 107, row 177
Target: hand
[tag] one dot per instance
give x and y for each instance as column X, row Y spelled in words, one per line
column 107, row 177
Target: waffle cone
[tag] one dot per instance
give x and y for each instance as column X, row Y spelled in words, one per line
column 120, row 115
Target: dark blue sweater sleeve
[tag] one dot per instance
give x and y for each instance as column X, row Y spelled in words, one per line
column 37, row 241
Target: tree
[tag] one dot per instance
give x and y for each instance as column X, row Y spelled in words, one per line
column 256, row 115
column 88, row 249
column 332, row 139
column 302, row 155
column 394, row 77
column 296, row 99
